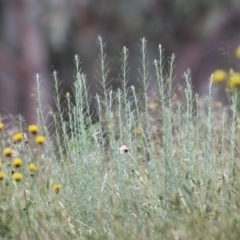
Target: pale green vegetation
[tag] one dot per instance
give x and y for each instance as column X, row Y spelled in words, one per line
column 177, row 177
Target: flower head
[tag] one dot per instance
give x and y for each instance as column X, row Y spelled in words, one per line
column 1, row 165
column 18, row 177
column 123, row 149
column 219, row 76
column 138, row 132
column 2, row 175
column 237, row 52
column 7, row 152
column 1, row 126
column 32, row 167
column 234, row 80
column 40, row 140
column 17, row 162
column 18, row 137
column 34, row 129
column 68, row 95
column 57, row 187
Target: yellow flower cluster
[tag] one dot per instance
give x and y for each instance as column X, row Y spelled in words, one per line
column 18, row 162
column 34, row 129
column 17, row 176
column 231, row 79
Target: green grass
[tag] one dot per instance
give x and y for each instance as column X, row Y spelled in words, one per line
column 178, row 180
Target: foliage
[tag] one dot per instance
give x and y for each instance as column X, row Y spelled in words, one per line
column 158, row 164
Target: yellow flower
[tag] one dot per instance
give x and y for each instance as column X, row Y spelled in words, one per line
column 219, row 76
column 32, row 167
column 34, row 129
column 40, row 140
column 138, row 132
column 68, row 95
column 57, row 187
column 237, row 52
column 7, row 152
column 1, row 165
column 18, row 177
column 1, row 126
column 18, row 137
column 17, row 162
column 2, row 176
column 234, row 80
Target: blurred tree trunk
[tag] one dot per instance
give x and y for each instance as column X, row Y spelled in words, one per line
column 32, row 54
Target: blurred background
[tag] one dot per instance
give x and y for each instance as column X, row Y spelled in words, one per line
column 40, row 36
